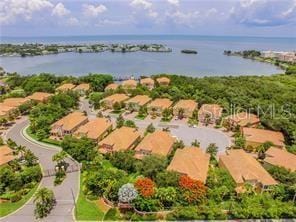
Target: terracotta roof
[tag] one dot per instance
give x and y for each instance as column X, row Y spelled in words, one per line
column 121, row 139
column 161, row 103
column 66, row 86
column 111, row 86
column 147, row 81
column 70, row 121
column 82, row 86
column 159, row 142
column 262, row 136
column 130, row 83
column 188, row 104
column 244, row 118
column 281, row 157
column 6, row 154
column 191, row 161
column 116, row 98
column 15, row 102
column 163, row 80
column 5, row 109
column 141, row 100
column 243, row 166
column 94, row 128
column 214, row 110
column 39, row 96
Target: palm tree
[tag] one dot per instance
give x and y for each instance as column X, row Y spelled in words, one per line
column 59, row 158
column 181, row 112
column 44, row 201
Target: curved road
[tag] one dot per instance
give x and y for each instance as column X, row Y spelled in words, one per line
column 63, row 211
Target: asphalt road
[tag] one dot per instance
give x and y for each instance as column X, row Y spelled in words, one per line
column 63, row 193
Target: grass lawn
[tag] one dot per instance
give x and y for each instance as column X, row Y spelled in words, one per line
column 8, row 207
column 49, row 141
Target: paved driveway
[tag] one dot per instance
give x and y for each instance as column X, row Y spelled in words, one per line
column 63, row 193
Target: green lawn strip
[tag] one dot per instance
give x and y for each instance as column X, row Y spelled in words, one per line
column 48, row 141
column 112, row 215
column 8, row 207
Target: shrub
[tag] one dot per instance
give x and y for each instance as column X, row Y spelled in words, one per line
column 145, row 186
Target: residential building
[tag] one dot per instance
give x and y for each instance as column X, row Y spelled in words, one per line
column 245, row 169
column 163, row 81
column 159, row 142
column 280, row 157
column 129, row 84
column 40, row 96
column 243, row 119
column 184, row 108
column 15, row 102
column 109, row 101
column 124, row 138
column 136, row 102
column 6, row 155
column 157, row 106
column 209, row 113
column 191, row 161
column 68, row 124
column 65, row 87
column 6, row 111
column 112, row 86
column 82, row 88
column 255, row 137
column 95, row 129
column 148, row 82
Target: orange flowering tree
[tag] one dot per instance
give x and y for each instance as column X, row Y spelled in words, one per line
column 145, row 187
column 193, row 191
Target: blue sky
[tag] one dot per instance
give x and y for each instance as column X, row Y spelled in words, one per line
column 192, row 17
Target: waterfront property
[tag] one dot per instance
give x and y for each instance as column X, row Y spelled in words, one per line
column 135, row 103
column 163, row 81
column 243, row 119
column 157, row 106
column 6, row 155
column 245, row 169
column 280, row 157
column 109, row 101
column 191, row 161
column 67, row 125
column 111, row 86
column 159, row 142
column 184, row 108
column 40, row 96
column 95, row 129
column 129, row 84
column 209, row 113
column 65, row 87
column 148, row 82
column 82, row 88
column 255, row 137
column 124, row 138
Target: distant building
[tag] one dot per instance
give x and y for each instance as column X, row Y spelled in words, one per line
column 40, row 96
column 255, row 137
column 112, row 86
column 157, row 106
column 6, row 155
column 159, row 142
column 121, row 139
column 68, row 124
column 109, row 101
column 245, row 169
column 137, row 102
column 281, row 158
column 129, row 84
column 65, row 87
column 243, row 119
column 148, row 82
column 187, row 106
column 82, row 88
column 191, row 161
column 209, row 113
column 163, row 81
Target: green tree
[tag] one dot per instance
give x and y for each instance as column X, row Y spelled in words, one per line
column 150, row 128
column 44, row 202
column 119, row 121
column 212, row 149
column 167, row 196
column 151, row 165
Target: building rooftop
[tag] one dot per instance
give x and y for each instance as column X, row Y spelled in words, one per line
column 66, row 86
column 243, row 166
column 121, row 139
column 14, row 102
column 6, row 154
column 191, row 161
column 244, row 118
column 70, row 121
column 130, row 83
column 163, row 80
column 82, row 86
column 161, row 103
column 281, row 157
column 141, row 100
column 262, row 136
column 147, row 81
column 111, row 86
column 116, row 98
column 5, row 109
column 214, row 110
column 39, row 96
column 159, row 142
column 94, row 128
column 187, row 104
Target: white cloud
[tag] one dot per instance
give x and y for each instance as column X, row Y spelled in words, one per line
column 72, row 21
column 10, row 10
column 141, row 4
column 92, row 10
column 290, row 11
column 184, row 18
column 60, row 10
column 174, row 2
column 211, row 12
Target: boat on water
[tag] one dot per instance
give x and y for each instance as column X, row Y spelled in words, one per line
column 189, row 51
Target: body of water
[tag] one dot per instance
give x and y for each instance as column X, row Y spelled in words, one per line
column 209, row 61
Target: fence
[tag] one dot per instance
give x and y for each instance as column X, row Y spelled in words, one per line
column 52, row 172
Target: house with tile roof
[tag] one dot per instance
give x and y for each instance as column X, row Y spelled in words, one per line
column 209, row 113
column 15, row 102
column 158, row 105
column 280, row 157
column 65, row 87
column 243, row 119
column 191, row 161
column 6, row 155
column 163, row 81
column 184, row 108
column 109, row 101
column 82, row 88
column 148, row 82
column 111, row 86
column 129, row 84
column 6, row 111
column 40, row 96
column 137, row 102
